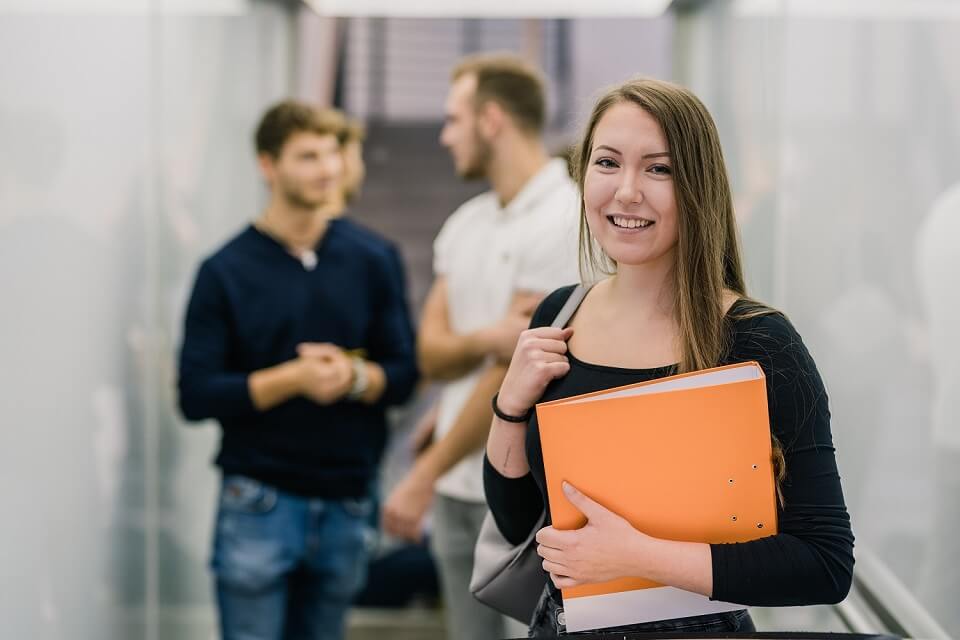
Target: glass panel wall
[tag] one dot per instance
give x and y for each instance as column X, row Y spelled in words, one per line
column 127, row 155
column 840, row 122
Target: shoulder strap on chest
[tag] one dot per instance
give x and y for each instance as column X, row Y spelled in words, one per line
column 571, row 305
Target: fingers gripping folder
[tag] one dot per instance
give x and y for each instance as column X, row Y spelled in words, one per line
column 681, row 458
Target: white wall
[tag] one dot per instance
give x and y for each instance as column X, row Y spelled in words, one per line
column 842, row 136
column 126, row 156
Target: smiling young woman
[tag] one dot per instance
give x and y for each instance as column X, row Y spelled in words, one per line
column 657, row 221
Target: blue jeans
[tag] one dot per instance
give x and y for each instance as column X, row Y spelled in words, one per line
column 287, row 567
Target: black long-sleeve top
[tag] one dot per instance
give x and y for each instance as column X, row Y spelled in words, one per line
column 810, row 559
column 252, row 304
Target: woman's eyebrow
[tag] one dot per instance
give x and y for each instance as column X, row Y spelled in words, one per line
column 659, row 154
column 603, row 146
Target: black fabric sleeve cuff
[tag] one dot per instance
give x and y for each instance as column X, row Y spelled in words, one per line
column 720, row 562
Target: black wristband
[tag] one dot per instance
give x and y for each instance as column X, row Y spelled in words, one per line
column 508, row 418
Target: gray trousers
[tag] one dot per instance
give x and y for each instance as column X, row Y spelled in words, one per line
column 456, row 525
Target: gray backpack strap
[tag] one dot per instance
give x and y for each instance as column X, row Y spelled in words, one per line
column 509, row 577
column 571, row 305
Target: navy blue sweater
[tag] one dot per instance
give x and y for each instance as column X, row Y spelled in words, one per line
column 252, row 304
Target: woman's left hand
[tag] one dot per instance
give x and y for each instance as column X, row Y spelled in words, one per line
column 603, row 549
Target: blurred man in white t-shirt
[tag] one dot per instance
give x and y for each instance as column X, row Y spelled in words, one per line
column 495, row 258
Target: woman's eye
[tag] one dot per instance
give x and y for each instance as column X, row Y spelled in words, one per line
column 660, row 170
column 606, row 163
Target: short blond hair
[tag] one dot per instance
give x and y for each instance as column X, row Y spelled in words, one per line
column 511, row 82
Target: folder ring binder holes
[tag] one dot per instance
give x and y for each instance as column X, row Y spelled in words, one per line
column 692, row 490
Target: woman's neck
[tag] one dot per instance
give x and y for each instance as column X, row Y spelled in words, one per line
column 647, row 290
column 628, row 321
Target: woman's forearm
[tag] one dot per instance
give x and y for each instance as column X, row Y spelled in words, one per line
column 684, row 565
column 505, row 448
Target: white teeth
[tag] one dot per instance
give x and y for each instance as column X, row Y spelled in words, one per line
column 630, row 223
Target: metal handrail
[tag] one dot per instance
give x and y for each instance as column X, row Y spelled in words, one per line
column 880, row 603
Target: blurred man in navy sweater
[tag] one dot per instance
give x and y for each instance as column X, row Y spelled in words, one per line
column 297, row 337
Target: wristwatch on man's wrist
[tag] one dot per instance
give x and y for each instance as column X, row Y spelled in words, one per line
column 360, row 381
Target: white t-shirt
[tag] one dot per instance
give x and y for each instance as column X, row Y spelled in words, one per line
column 487, row 253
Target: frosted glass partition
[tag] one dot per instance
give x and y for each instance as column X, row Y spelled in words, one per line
column 842, row 132
column 126, row 156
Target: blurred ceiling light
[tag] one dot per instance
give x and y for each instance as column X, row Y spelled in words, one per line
column 489, row 8
column 851, row 9
column 126, row 7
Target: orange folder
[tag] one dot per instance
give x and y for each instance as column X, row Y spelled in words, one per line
column 686, row 457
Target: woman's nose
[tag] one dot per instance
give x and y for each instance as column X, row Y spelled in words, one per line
column 628, row 191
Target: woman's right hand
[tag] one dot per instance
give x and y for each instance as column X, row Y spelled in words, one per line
column 540, row 357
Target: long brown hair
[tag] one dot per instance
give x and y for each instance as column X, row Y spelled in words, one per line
column 708, row 252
